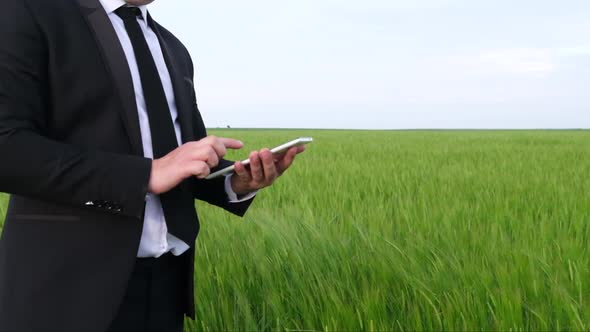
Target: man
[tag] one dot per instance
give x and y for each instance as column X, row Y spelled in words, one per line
column 104, row 151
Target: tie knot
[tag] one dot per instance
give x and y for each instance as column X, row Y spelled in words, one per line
column 127, row 13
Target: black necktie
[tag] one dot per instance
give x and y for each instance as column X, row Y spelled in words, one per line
column 177, row 203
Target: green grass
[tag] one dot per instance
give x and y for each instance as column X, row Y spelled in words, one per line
column 431, row 230
column 3, row 205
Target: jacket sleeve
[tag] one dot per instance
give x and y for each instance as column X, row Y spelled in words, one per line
column 32, row 164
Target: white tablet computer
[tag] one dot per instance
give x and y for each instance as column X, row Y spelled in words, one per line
column 281, row 148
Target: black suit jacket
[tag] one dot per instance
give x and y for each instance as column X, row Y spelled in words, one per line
column 71, row 156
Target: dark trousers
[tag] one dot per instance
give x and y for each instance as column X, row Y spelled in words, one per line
column 155, row 297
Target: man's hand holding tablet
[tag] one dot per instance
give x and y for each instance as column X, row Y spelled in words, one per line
column 263, row 167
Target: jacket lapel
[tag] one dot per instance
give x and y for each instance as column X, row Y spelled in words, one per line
column 181, row 85
column 117, row 65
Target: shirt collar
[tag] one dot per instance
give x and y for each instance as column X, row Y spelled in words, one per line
column 111, row 5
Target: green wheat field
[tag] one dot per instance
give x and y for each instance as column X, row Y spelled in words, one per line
column 404, row 230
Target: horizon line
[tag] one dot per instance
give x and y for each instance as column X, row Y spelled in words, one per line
column 405, row 129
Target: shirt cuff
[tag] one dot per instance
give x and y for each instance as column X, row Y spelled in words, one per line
column 232, row 196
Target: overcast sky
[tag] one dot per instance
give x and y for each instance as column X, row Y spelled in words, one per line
column 387, row 64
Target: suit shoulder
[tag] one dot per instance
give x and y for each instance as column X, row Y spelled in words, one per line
column 176, row 46
column 171, row 38
column 165, row 32
column 50, row 5
column 42, row 10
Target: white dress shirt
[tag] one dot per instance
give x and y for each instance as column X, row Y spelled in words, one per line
column 155, row 239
